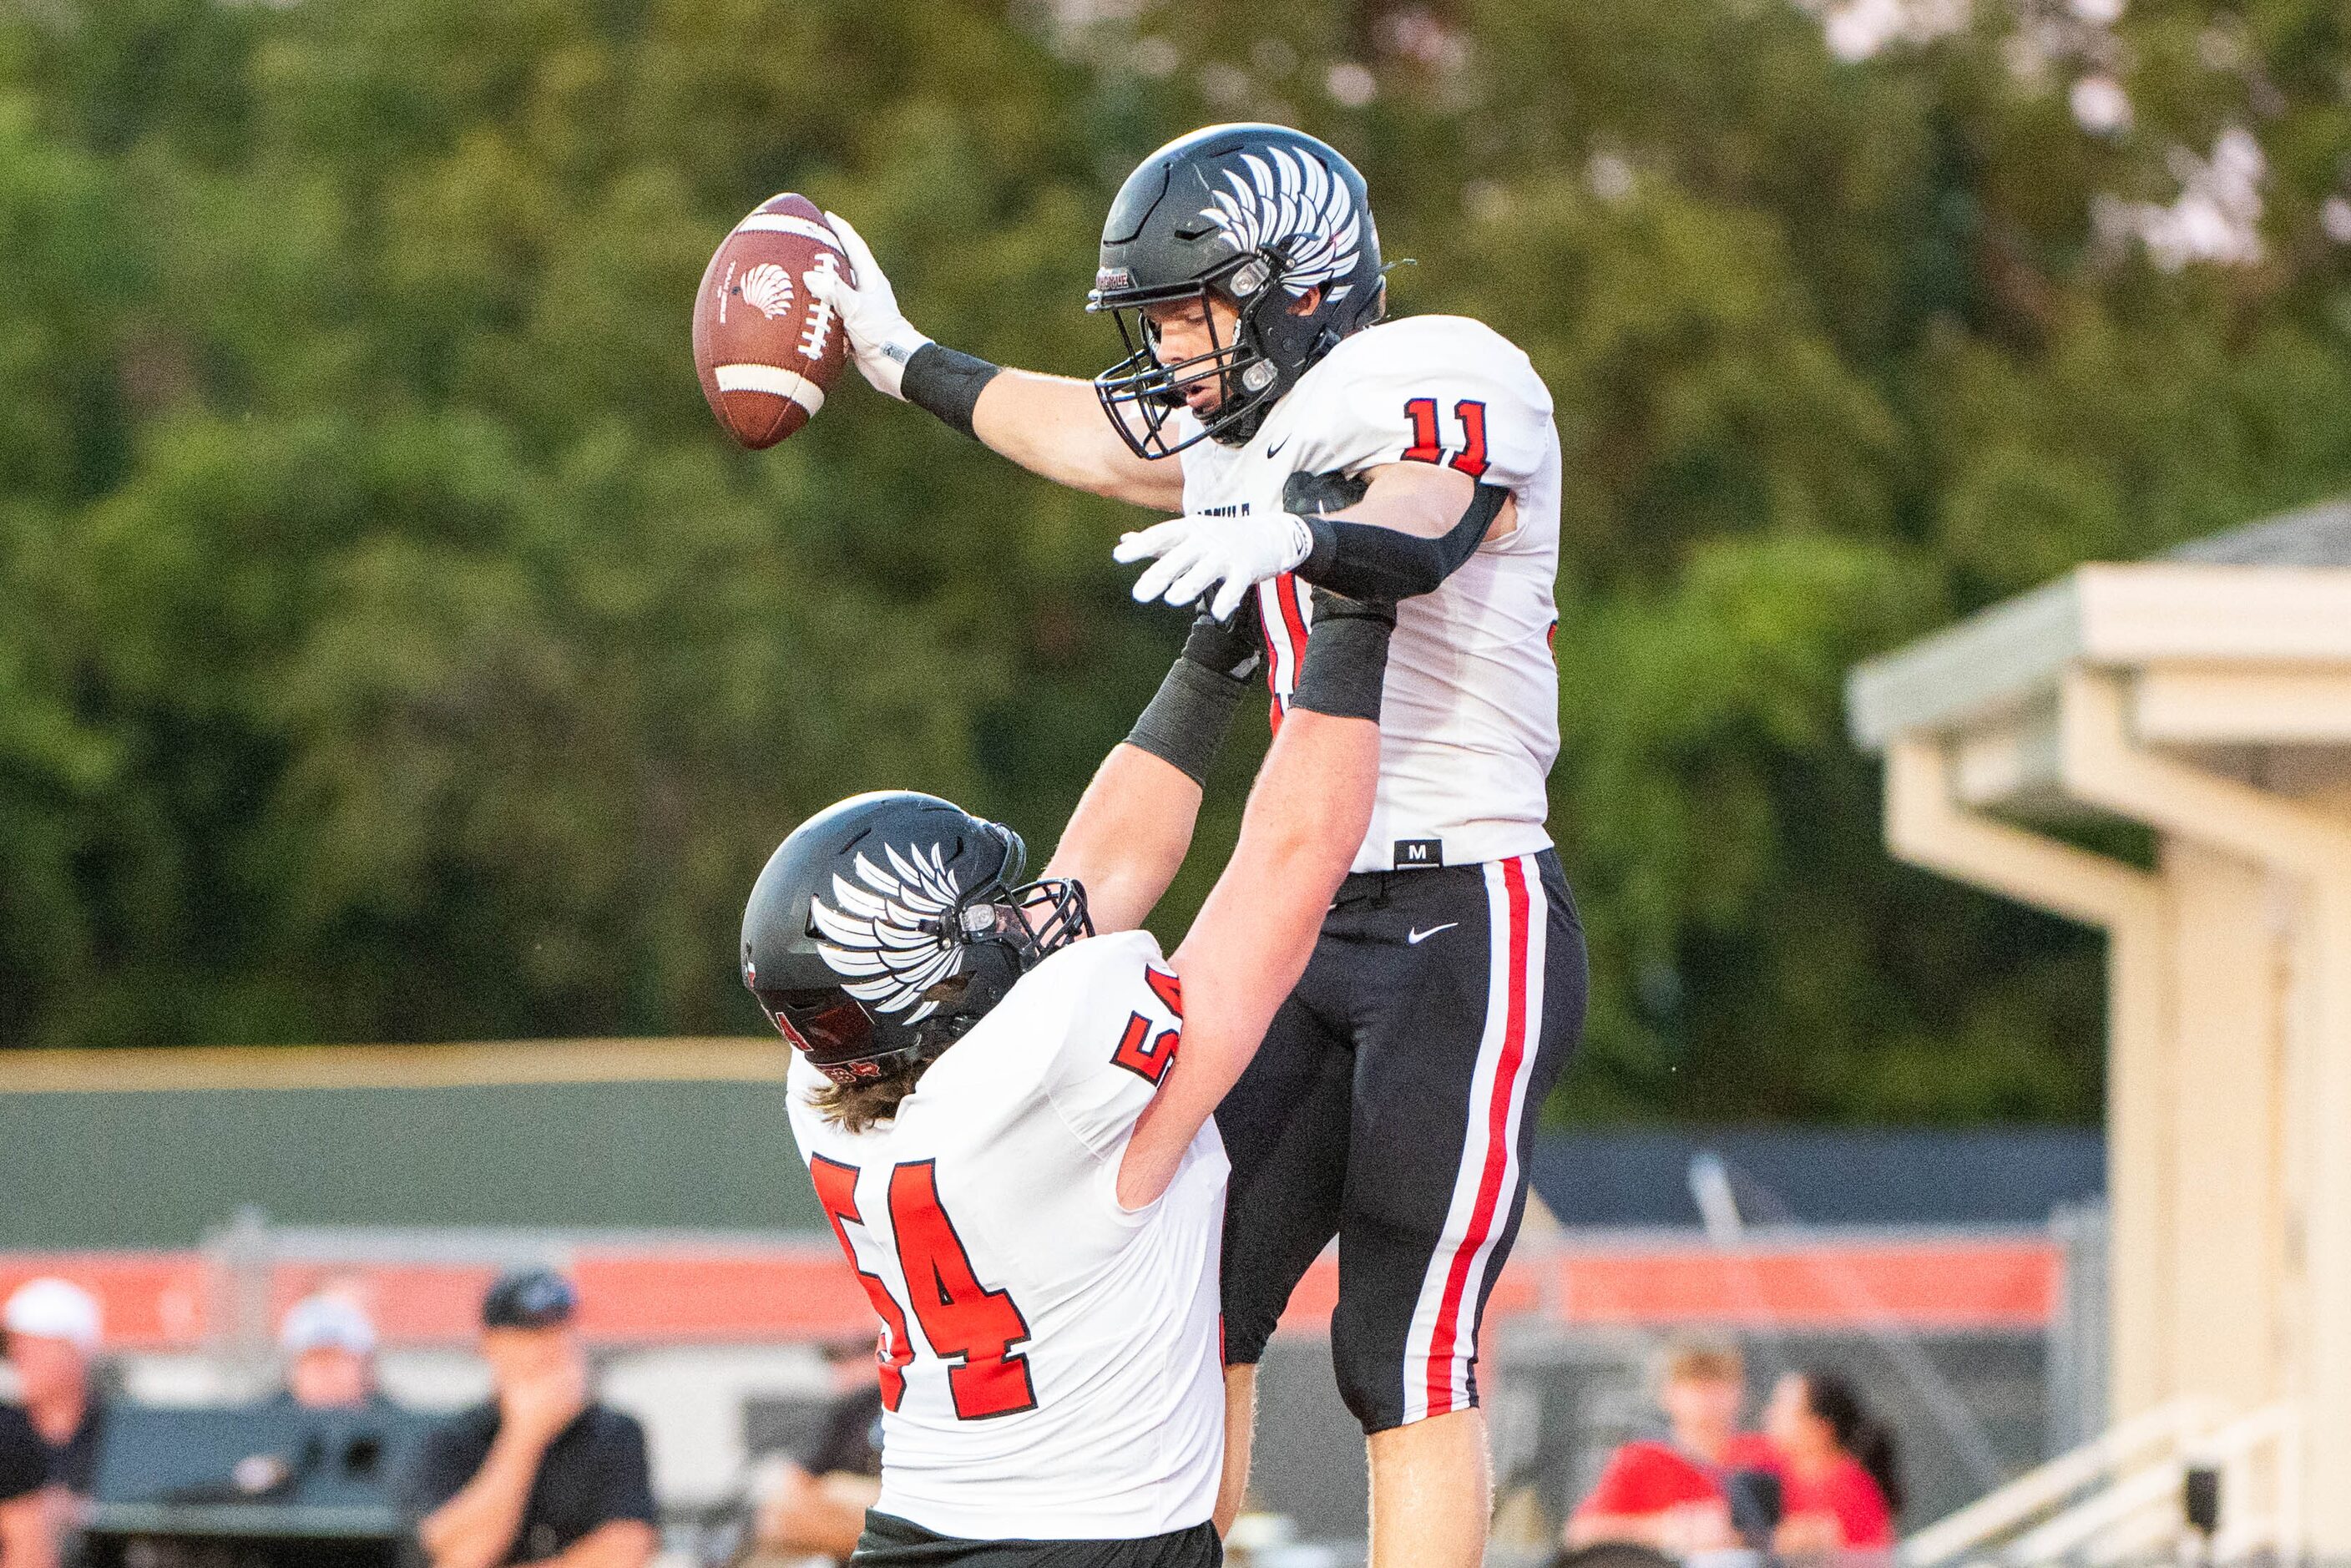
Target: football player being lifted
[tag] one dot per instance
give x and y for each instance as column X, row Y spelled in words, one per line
column 1003, row 1095
column 1307, row 441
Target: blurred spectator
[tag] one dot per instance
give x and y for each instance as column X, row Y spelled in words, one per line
column 541, row 1473
column 48, row 1447
column 1670, row 1495
column 53, row 1338
column 27, row 1532
column 328, row 1346
column 816, row 1509
column 1840, row 1484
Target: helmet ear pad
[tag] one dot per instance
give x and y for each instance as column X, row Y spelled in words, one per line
column 990, row 969
column 1278, row 343
column 990, row 964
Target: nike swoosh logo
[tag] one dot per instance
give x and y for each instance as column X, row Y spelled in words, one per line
column 1277, row 446
column 1418, row 937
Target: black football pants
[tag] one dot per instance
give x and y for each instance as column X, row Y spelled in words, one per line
column 1392, row 1105
column 892, row 1543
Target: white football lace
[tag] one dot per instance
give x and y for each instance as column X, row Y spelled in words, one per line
column 819, row 321
column 888, row 938
column 1294, row 200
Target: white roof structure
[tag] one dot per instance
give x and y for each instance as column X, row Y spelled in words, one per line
column 2207, row 695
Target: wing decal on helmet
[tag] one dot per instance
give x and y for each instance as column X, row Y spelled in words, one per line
column 889, row 935
column 1291, row 203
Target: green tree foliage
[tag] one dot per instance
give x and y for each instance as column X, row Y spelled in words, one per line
column 390, row 647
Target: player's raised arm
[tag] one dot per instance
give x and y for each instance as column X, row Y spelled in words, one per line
column 1050, row 425
column 1307, row 815
column 1130, row 834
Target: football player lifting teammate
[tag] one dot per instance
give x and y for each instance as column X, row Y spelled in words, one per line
column 982, row 1089
column 1305, row 440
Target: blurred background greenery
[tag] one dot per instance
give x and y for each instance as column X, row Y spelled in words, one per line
column 393, row 648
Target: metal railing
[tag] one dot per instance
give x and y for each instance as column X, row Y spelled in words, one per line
column 2118, row 1498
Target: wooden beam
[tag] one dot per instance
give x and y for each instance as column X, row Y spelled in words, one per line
column 198, row 1068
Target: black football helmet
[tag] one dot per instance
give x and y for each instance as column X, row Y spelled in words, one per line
column 1258, row 216
column 888, row 925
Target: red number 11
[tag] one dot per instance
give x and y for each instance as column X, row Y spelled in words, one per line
column 1428, row 446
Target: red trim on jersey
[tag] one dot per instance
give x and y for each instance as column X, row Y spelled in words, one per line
column 1293, row 626
column 1273, row 654
column 1446, row 1334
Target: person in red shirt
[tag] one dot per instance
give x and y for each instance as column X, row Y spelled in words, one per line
column 1669, row 1495
column 1840, row 1484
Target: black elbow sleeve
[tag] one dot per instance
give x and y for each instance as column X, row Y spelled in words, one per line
column 1363, row 560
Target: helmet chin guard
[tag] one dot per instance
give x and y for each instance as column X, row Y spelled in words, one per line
column 886, row 927
column 1268, row 220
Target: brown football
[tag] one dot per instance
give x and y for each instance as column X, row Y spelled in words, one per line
column 766, row 352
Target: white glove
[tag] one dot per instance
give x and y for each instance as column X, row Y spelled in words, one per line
column 879, row 333
column 1196, row 553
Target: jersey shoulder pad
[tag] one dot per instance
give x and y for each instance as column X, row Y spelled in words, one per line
column 1425, row 347
column 1073, row 979
column 1442, row 390
column 1122, row 1024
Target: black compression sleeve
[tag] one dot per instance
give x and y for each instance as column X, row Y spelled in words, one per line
column 1185, row 723
column 1346, row 664
column 946, row 382
column 1363, row 560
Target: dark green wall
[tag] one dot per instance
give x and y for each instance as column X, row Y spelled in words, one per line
column 158, row 1170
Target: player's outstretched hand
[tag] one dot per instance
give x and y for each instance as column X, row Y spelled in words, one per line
column 879, row 333
column 1193, row 554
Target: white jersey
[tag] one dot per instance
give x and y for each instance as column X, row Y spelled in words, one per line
column 1050, row 1359
column 1470, row 726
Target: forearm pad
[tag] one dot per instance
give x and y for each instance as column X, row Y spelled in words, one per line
column 1365, row 561
column 1346, row 664
column 1185, row 723
column 946, row 382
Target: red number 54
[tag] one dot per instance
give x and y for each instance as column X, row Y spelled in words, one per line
column 971, row 1327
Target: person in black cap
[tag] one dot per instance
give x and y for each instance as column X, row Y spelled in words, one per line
column 541, row 1473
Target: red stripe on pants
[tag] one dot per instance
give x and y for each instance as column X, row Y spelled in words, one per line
column 1446, row 1336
